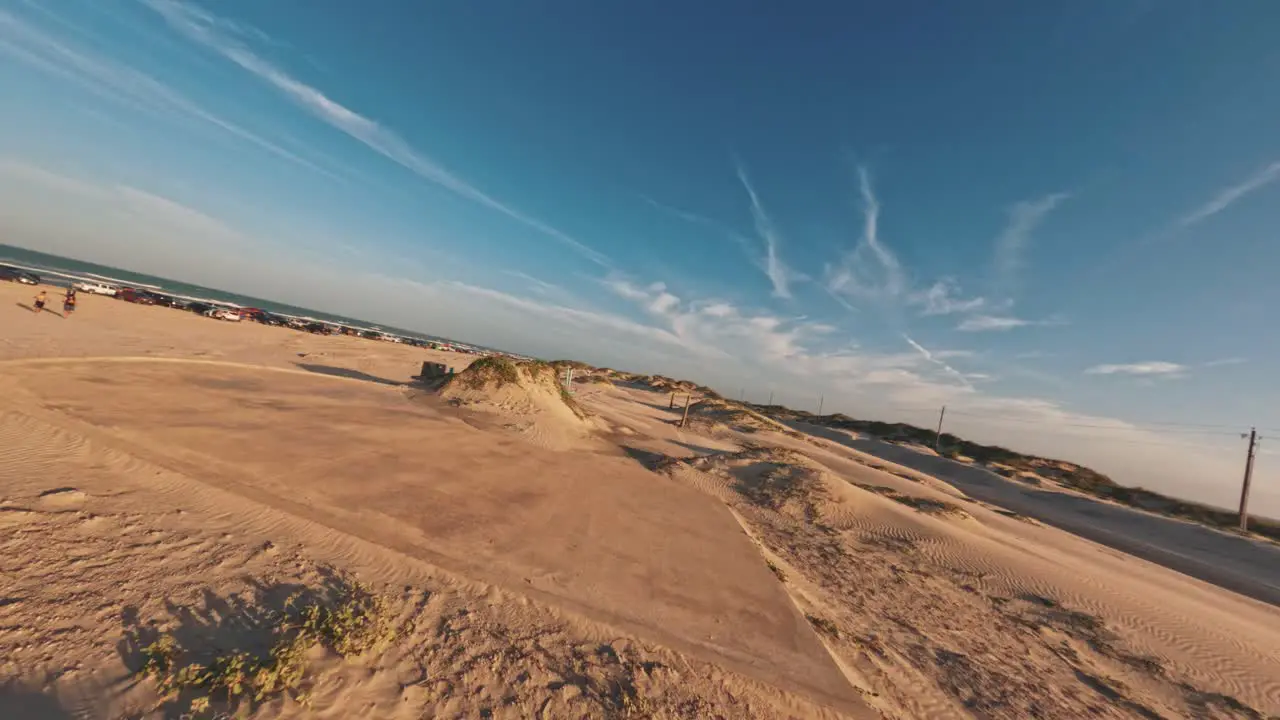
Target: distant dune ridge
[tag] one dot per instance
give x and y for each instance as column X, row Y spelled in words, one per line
column 711, row 411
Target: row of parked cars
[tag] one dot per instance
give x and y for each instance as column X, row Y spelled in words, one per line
column 142, row 296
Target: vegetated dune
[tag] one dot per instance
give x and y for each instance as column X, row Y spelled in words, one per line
column 525, row 396
column 924, row 615
column 712, row 413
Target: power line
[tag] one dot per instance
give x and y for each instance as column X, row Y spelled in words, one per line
column 1163, row 428
column 1170, row 428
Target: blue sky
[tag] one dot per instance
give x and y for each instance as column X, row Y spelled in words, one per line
column 1058, row 219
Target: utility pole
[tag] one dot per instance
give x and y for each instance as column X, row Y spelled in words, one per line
column 1248, row 477
column 937, row 438
column 820, row 399
column 771, row 397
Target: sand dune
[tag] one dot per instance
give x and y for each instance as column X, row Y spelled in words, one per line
column 526, row 397
column 165, row 473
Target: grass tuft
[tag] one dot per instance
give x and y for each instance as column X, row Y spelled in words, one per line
column 493, row 369
column 823, row 625
column 358, row 621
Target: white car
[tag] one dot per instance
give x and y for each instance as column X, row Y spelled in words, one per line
column 223, row 314
column 96, row 288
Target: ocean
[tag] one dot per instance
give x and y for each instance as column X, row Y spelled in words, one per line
column 62, row 271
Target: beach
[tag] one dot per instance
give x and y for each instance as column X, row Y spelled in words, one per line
column 164, row 474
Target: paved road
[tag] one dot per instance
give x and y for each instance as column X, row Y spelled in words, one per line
column 1240, row 564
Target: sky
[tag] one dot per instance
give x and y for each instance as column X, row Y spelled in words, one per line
column 1057, row 219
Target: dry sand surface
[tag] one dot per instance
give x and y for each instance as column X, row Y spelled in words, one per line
column 163, row 473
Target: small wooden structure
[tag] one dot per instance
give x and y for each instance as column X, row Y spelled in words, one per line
column 432, row 370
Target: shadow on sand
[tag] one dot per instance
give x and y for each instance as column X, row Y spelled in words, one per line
column 348, row 373
column 30, row 705
column 216, row 626
column 45, row 311
column 651, row 459
column 698, row 449
column 665, row 405
column 648, row 459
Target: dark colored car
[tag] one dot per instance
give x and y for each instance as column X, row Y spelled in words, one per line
column 13, row 274
column 199, row 308
column 267, row 318
column 161, row 298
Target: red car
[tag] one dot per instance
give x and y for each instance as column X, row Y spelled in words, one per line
column 135, row 296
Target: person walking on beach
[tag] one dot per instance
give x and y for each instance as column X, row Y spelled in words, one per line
column 40, row 301
column 69, row 303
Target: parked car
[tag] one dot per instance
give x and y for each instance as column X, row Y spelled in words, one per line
column 139, row 297
column 199, row 308
column 13, row 274
column 224, row 314
column 161, row 298
column 267, row 318
column 96, row 288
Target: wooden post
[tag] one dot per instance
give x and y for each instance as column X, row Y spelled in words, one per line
column 1248, row 478
column 672, row 405
column 685, row 418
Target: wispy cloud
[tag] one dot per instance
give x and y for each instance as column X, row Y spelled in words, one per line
column 871, row 271
column 930, row 357
column 943, row 298
column 120, row 83
column 1000, row 323
column 987, row 323
column 696, row 219
column 1229, row 195
column 227, row 38
column 539, row 286
column 1142, row 369
column 1011, row 245
column 768, row 260
column 773, row 266
column 1226, row 361
column 949, row 354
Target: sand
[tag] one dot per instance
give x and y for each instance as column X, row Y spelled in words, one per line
column 163, row 472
